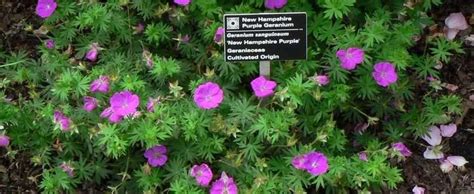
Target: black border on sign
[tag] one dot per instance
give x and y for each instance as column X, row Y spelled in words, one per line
column 281, row 13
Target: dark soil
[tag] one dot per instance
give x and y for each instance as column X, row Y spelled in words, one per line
column 19, row 175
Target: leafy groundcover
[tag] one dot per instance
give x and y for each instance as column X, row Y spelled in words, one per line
column 135, row 96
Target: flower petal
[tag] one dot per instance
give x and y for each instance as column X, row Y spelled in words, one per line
column 457, row 160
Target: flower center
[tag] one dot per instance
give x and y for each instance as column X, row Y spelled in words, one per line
column 157, row 155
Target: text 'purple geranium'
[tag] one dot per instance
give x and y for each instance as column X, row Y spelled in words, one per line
column 384, row 74
column 350, row 58
column 225, row 184
column 156, row 155
column 208, row 95
column 46, row 8
column 262, row 87
column 202, row 173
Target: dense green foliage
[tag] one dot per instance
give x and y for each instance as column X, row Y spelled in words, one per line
column 252, row 140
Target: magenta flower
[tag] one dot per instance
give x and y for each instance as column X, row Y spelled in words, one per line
column 49, row 44
column 455, row 22
column 156, row 155
column 224, row 185
column 350, row 58
column 113, row 118
column 402, row 149
column 263, row 87
column 384, row 74
column 418, row 190
column 321, row 80
column 46, row 8
column 90, row 103
column 299, row 162
column 93, row 52
column 316, row 163
column 363, row 156
column 275, row 4
column 150, row 105
column 63, row 121
column 182, row 2
column 448, row 130
column 4, row 141
column 208, row 95
column 67, row 169
column 124, row 103
column 202, row 173
column 100, row 85
column 218, row 35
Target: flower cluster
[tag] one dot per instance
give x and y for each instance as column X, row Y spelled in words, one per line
column 434, row 138
column 384, row 72
column 316, row 163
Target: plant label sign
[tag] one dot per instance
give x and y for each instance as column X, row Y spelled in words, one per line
column 265, row 36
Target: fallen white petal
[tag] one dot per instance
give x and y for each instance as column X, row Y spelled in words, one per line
column 457, row 160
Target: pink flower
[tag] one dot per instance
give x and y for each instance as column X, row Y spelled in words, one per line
column 100, row 85
column 49, row 44
column 263, row 87
column 384, row 74
column 90, row 103
column 350, row 58
column 208, row 95
column 61, row 120
column 458, row 161
column 108, row 113
column 446, row 166
column 455, row 22
column 321, row 80
column 150, row 105
column 156, row 155
column 363, row 156
column 46, row 8
column 93, row 52
column 67, row 169
column 182, row 2
column 124, row 103
column 275, row 4
column 225, row 184
column 400, row 147
column 299, row 162
column 418, row 190
column 4, row 141
column 202, row 173
column 433, row 137
column 448, row 130
column 218, row 35
column 316, row 163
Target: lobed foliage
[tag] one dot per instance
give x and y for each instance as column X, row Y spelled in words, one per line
column 252, row 140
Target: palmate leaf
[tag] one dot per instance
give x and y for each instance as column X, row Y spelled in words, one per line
column 336, row 8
